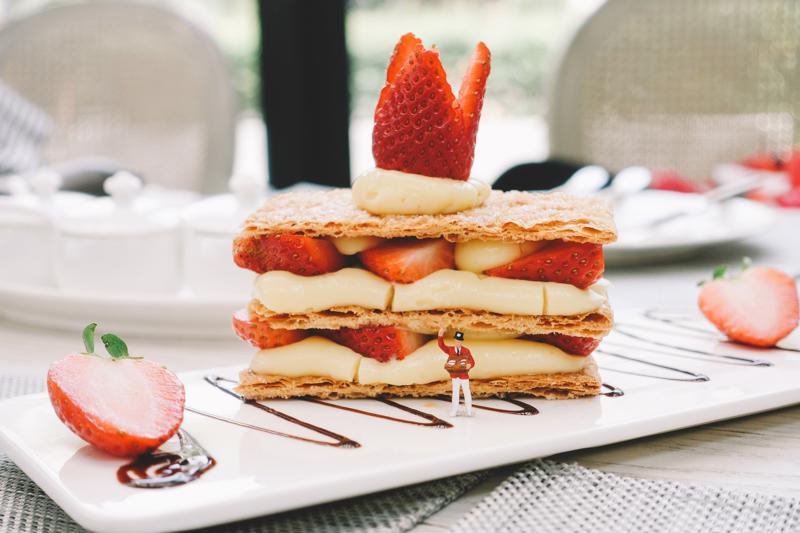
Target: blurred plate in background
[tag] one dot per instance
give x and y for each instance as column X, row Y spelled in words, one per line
column 731, row 221
column 168, row 315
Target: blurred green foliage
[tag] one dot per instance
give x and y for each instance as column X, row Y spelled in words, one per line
column 523, row 36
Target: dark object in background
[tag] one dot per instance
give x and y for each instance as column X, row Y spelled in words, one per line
column 304, row 91
column 87, row 174
column 539, row 176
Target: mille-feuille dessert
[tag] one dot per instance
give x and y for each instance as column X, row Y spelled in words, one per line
column 354, row 283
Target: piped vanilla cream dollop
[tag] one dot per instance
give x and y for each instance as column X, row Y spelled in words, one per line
column 354, row 245
column 316, row 356
column 391, row 192
column 478, row 256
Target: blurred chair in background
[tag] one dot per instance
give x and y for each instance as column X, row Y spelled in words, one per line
column 24, row 128
column 679, row 84
column 127, row 82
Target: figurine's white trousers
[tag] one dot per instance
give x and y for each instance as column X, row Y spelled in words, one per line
column 463, row 384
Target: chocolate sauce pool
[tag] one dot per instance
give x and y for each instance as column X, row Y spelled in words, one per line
column 158, row 470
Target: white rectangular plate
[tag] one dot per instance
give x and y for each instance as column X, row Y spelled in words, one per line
column 259, row 473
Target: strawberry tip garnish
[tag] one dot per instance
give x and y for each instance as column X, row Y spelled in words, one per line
column 421, row 127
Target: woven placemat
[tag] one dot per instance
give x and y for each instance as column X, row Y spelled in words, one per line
column 544, row 496
column 24, row 508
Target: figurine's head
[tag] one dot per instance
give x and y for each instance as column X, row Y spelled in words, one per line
column 459, row 338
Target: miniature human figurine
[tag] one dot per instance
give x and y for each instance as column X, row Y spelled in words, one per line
column 459, row 363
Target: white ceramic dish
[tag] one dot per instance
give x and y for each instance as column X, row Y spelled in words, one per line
column 732, row 221
column 181, row 315
column 258, row 473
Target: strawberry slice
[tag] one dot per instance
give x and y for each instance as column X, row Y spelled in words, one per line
column 568, row 343
column 420, row 127
column 472, row 91
column 793, row 168
column 383, row 343
column 758, row 307
column 305, row 256
column 666, row 180
column 579, row 264
column 259, row 334
column 407, row 48
column 122, row 405
column 408, row 260
column 768, row 161
column 789, row 199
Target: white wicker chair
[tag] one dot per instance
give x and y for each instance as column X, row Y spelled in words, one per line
column 679, row 84
column 128, row 81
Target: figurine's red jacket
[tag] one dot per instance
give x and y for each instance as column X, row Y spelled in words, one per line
column 451, row 354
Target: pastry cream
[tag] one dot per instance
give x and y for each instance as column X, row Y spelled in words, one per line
column 566, row 299
column 312, row 356
column 457, row 289
column 284, row 292
column 478, row 256
column 493, row 359
column 391, row 192
column 316, row 356
column 353, row 245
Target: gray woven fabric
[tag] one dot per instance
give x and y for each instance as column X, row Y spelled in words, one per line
column 545, row 497
column 24, row 508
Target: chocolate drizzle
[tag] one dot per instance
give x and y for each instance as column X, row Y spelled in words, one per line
column 693, row 376
column 433, row 421
column 339, row 441
column 157, row 470
column 525, row 409
column 613, row 391
column 706, row 355
column 678, row 319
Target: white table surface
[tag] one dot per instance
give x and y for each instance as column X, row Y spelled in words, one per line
column 757, row 453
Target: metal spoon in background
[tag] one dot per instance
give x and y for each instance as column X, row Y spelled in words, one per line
column 629, row 181
column 586, row 180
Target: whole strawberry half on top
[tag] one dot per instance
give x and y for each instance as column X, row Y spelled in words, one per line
column 122, row 405
column 420, row 126
column 759, row 306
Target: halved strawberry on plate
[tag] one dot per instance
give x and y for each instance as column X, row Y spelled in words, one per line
column 420, row 126
column 383, row 343
column 408, row 260
column 122, row 405
column 260, row 334
column 298, row 254
column 578, row 264
column 758, row 306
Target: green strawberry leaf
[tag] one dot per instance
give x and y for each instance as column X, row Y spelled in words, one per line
column 88, row 337
column 115, row 346
column 720, row 271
